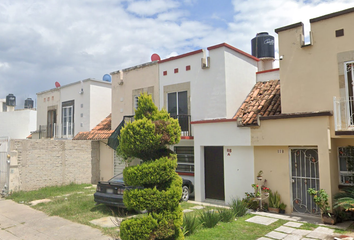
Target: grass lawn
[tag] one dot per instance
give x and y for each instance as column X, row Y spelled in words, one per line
column 75, row 203
column 239, row 229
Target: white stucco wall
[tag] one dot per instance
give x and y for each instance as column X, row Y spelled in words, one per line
column 183, row 76
column 106, row 161
column 217, row 91
column 18, row 124
column 240, row 78
column 42, row 105
column 90, row 107
column 238, row 167
column 269, row 75
column 238, row 171
column 100, row 104
column 209, row 89
column 72, row 92
column 126, row 82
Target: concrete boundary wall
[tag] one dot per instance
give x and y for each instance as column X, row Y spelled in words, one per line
column 40, row 163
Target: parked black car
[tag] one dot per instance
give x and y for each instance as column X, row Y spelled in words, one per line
column 111, row 192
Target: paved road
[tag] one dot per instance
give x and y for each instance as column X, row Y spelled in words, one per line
column 18, row 221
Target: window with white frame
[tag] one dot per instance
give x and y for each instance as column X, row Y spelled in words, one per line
column 177, row 103
column 177, row 107
column 67, row 118
column 346, row 165
column 185, row 159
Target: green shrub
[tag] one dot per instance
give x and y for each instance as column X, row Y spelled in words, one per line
column 249, row 201
column 320, row 197
column 226, row 215
column 137, row 228
column 151, row 173
column 190, row 224
column 158, row 186
column 168, row 223
column 345, row 198
column 239, row 207
column 170, row 131
column 146, row 108
column 138, row 139
column 153, row 199
column 209, row 219
column 274, row 199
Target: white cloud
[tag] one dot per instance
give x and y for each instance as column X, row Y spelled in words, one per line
column 4, row 65
column 44, row 41
column 151, row 7
column 172, row 54
column 171, row 16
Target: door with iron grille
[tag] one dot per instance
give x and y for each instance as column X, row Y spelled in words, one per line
column 304, row 175
column 4, row 166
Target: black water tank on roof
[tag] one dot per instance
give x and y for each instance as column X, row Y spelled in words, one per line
column 263, row 45
column 29, row 103
column 10, row 100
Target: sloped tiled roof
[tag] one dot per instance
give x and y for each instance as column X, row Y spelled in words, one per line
column 101, row 131
column 263, row 100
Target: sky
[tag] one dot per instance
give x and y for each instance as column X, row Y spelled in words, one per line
column 65, row 41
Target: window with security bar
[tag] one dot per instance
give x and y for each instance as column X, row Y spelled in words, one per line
column 185, row 159
column 136, row 98
column 346, row 165
column 350, row 93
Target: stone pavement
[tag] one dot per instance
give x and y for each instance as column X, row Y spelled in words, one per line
column 291, row 231
column 19, row 221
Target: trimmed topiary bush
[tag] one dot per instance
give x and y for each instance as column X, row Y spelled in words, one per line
column 138, row 228
column 148, row 138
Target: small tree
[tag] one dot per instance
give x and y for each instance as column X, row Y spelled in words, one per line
column 148, row 138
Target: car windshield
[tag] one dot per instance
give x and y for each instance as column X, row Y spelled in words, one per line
column 117, row 178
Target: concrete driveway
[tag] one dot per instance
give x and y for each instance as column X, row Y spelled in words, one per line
column 19, row 221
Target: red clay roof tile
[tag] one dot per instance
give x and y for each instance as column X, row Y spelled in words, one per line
column 263, row 100
column 101, row 131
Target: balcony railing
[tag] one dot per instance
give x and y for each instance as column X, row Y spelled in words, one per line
column 185, row 123
column 343, row 113
column 113, row 141
column 56, row 131
column 65, row 131
column 42, row 131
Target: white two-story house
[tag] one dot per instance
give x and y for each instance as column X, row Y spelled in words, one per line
column 64, row 111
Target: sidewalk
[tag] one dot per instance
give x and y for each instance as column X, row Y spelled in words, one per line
column 18, row 221
column 291, row 231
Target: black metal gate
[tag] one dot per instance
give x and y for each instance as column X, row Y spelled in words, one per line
column 305, row 175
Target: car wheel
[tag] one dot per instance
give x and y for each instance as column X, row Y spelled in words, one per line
column 185, row 193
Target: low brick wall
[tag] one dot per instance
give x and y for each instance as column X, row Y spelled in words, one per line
column 40, row 163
